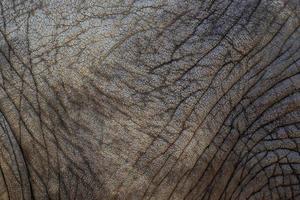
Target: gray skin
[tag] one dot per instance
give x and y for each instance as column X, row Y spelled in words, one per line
column 149, row 99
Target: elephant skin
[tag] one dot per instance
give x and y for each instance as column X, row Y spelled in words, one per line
column 149, row 99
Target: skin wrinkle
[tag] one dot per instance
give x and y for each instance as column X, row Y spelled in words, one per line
column 149, row 99
column 252, row 86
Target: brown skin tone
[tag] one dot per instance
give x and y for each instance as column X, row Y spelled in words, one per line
column 149, row 99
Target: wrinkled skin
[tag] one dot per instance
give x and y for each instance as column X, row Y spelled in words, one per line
column 149, row 99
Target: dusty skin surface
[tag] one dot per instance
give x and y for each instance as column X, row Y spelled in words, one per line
column 145, row 99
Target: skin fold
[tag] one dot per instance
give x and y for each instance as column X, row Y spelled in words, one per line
column 149, row 99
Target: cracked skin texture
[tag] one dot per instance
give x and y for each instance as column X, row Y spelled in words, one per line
column 149, row 99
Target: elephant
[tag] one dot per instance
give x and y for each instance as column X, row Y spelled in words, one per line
column 149, row 99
